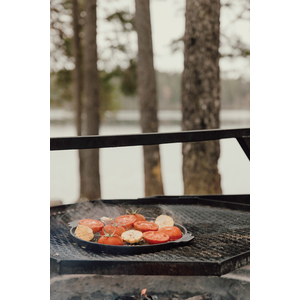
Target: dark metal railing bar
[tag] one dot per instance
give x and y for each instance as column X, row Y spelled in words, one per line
column 245, row 145
column 97, row 141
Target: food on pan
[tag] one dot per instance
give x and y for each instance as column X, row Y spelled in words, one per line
column 164, row 221
column 138, row 216
column 118, row 230
column 132, row 236
column 95, row 225
column 85, row 233
column 126, row 221
column 155, row 237
column 107, row 221
column 132, row 228
column 145, row 226
column 111, row 240
column 172, row 231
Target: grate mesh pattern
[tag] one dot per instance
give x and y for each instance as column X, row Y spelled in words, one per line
column 220, row 234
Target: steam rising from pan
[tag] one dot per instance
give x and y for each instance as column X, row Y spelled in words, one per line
column 98, row 209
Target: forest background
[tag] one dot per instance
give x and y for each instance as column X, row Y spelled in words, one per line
column 117, row 50
column 117, row 65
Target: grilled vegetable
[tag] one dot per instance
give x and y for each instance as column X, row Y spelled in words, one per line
column 107, row 221
column 164, row 221
column 145, row 226
column 95, row 225
column 132, row 236
column 172, row 231
column 126, row 221
column 110, row 238
column 138, row 216
column 117, row 229
column 155, row 237
column 84, row 233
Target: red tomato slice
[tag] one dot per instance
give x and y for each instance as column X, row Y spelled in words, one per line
column 93, row 224
column 145, row 226
column 126, row 221
column 117, row 229
column 172, row 231
column 140, row 217
column 111, row 240
column 155, row 237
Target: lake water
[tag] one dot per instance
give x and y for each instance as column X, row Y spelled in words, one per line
column 121, row 169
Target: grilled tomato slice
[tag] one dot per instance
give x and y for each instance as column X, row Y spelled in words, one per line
column 136, row 213
column 155, row 237
column 126, row 221
column 172, row 231
column 111, row 240
column 118, row 230
column 95, row 225
column 145, row 226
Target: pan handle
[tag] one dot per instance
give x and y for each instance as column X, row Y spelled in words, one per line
column 73, row 223
column 186, row 238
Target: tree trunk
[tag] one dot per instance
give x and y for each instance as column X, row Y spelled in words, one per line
column 201, row 95
column 91, row 174
column 77, row 80
column 147, row 97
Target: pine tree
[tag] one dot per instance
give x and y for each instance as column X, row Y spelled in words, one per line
column 201, row 95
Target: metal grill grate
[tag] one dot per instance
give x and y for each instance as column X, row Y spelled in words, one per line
column 221, row 243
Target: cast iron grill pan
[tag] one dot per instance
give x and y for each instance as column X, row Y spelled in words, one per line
column 128, row 249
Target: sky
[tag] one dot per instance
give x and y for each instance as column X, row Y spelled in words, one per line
column 168, row 23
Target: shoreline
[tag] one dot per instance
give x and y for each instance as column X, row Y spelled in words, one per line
column 61, row 116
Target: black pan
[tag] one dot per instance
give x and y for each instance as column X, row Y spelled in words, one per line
column 128, row 249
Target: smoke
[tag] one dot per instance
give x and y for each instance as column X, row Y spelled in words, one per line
column 98, row 209
column 86, row 210
column 167, row 211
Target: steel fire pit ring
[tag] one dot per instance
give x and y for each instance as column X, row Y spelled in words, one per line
column 130, row 249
